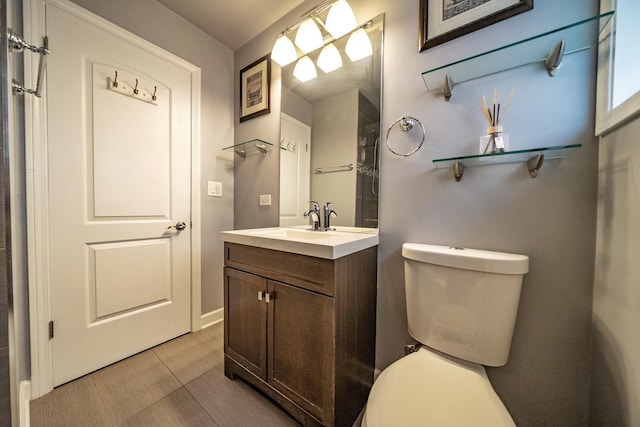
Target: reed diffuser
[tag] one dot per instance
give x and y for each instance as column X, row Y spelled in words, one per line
column 496, row 140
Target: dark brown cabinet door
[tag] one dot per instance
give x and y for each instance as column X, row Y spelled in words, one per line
column 246, row 320
column 301, row 348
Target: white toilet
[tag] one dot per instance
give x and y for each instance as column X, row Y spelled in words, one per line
column 461, row 306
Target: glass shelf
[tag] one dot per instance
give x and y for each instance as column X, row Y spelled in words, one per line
column 533, row 156
column 577, row 37
column 246, row 147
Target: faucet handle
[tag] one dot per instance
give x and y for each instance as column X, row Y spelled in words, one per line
column 315, row 205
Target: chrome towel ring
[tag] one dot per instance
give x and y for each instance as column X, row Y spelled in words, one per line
column 406, row 143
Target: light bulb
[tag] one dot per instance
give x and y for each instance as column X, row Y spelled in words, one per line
column 305, row 70
column 308, row 37
column 329, row 58
column 284, row 52
column 340, row 19
column 358, row 45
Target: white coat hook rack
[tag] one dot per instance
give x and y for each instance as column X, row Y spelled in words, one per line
column 17, row 44
column 133, row 91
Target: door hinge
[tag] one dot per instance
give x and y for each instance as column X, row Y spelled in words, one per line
column 51, row 329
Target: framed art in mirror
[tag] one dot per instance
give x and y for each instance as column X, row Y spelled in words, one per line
column 255, row 86
column 445, row 20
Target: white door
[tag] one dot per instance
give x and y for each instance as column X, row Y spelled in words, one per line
column 295, row 160
column 119, row 178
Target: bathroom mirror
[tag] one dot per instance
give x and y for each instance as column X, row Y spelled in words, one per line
column 330, row 137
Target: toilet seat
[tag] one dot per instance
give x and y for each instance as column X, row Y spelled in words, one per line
column 429, row 389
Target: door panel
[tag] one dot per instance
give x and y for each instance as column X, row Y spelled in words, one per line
column 128, row 133
column 295, row 160
column 119, row 177
column 128, row 276
column 301, row 347
column 246, row 320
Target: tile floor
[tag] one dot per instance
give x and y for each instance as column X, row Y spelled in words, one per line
column 178, row 383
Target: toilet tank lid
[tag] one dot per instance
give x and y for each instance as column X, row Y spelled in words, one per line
column 468, row 259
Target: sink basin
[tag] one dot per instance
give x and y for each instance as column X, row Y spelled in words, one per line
column 323, row 244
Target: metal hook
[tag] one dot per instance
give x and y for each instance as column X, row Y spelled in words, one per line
column 115, row 80
column 135, row 89
column 155, row 89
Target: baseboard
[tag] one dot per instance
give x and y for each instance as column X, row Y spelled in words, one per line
column 212, row 317
column 24, row 419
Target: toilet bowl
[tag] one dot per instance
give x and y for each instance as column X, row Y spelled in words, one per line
column 430, row 389
column 461, row 308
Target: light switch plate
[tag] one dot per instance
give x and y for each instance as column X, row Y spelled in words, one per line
column 265, row 200
column 214, row 189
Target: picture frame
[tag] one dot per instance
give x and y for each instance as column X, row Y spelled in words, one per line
column 255, row 89
column 445, row 20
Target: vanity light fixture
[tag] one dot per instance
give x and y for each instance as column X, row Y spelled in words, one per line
column 305, row 70
column 308, row 37
column 340, row 19
column 358, row 45
column 284, row 52
column 329, row 59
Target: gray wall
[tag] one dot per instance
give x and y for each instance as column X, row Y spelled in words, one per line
column 552, row 218
column 157, row 24
column 615, row 385
column 333, row 136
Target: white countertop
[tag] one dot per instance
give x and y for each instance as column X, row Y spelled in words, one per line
column 322, row 244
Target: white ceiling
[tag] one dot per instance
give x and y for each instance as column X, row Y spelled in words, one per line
column 231, row 22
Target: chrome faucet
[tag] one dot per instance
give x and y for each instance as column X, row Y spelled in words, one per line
column 311, row 212
column 327, row 211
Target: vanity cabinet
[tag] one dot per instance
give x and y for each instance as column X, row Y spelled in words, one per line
column 302, row 329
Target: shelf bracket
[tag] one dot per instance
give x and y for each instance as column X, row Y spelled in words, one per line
column 458, row 170
column 447, row 87
column 241, row 153
column 261, row 148
column 554, row 59
column 534, row 164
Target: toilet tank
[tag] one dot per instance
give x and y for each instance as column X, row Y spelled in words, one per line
column 463, row 302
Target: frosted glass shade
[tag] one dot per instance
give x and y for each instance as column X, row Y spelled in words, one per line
column 329, row 58
column 340, row 19
column 305, row 70
column 284, row 52
column 308, row 37
column 358, row 45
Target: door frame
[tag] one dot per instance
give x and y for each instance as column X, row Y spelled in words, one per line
column 36, row 185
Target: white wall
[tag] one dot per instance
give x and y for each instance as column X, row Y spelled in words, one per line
column 333, row 143
column 552, row 218
column 157, row 24
column 615, row 387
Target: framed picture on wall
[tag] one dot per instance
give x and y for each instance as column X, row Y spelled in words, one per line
column 255, row 84
column 445, row 20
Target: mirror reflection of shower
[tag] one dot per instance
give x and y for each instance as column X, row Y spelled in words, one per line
column 367, row 180
column 371, row 167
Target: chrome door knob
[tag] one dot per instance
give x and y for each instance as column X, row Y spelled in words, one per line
column 180, row 225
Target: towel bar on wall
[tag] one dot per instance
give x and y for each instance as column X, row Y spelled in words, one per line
column 332, row 169
column 17, row 44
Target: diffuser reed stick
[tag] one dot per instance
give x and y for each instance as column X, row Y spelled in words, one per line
column 494, row 115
